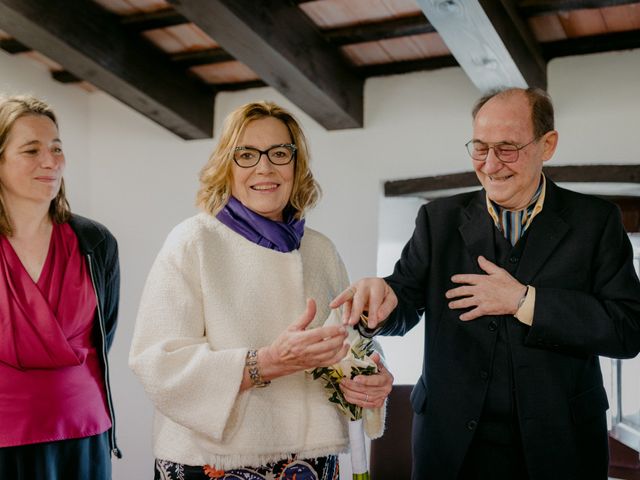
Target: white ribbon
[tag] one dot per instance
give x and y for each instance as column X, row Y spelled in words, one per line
column 358, row 451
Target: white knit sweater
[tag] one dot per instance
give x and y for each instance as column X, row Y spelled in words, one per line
column 210, row 296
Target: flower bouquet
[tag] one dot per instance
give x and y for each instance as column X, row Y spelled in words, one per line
column 357, row 362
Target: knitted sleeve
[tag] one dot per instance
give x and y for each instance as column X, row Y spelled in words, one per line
column 170, row 353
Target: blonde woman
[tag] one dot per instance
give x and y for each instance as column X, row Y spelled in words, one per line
column 231, row 317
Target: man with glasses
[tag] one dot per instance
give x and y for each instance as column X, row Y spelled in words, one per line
column 522, row 285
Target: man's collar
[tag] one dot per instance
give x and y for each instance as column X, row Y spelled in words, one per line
column 493, row 208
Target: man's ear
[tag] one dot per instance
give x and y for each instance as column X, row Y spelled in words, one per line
column 550, row 140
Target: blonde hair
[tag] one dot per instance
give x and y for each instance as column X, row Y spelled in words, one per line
column 11, row 109
column 216, row 176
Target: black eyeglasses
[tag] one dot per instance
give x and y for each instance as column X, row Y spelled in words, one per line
column 505, row 151
column 247, row 157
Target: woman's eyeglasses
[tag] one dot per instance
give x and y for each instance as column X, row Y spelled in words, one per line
column 247, row 157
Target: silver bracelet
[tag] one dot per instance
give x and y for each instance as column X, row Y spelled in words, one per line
column 251, row 363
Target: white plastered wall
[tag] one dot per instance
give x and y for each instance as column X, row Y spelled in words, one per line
column 140, row 180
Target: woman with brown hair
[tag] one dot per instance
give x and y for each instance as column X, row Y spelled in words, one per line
column 59, row 288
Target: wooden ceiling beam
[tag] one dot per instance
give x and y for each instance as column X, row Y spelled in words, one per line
column 490, row 41
column 140, row 22
column 424, row 186
column 562, row 173
column 383, row 69
column 591, row 44
column 594, row 173
column 372, row 32
column 530, row 8
column 275, row 39
column 13, row 46
column 90, row 43
column 235, row 86
column 64, row 76
column 201, row 57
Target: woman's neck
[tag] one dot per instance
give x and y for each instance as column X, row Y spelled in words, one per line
column 29, row 221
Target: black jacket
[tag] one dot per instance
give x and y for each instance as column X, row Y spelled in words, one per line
column 100, row 250
column 579, row 259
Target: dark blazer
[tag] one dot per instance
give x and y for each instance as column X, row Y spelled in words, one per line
column 579, row 259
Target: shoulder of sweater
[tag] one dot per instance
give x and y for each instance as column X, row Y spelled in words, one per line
column 191, row 230
column 316, row 239
column 310, row 233
column 320, row 253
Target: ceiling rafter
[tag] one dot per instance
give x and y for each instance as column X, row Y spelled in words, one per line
column 63, row 76
column 201, row 57
column 375, row 31
column 140, row 22
column 490, row 41
column 275, row 39
column 530, row 8
column 235, row 86
column 591, row 44
column 433, row 63
column 91, row 44
column 13, row 46
column 425, row 186
column 366, row 32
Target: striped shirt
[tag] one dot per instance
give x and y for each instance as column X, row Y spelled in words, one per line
column 513, row 224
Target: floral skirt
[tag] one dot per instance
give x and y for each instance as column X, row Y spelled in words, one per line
column 322, row 468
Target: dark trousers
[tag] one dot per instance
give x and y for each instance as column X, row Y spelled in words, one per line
column 86, row 458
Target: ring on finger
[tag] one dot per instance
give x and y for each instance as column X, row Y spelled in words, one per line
column 366, row 397
column 353, row 291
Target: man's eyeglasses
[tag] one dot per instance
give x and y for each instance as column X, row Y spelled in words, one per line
column 247, row 157
column 505, row 151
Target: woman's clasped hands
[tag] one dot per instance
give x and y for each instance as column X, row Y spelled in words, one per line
column 297, row 348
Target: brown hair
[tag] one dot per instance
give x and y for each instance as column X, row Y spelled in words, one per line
column 11, row 109
column 539, row 100
column 216, row 176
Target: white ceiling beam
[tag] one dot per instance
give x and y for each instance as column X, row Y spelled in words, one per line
column 490, row 42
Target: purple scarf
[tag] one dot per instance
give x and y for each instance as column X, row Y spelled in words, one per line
column 280, row 236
